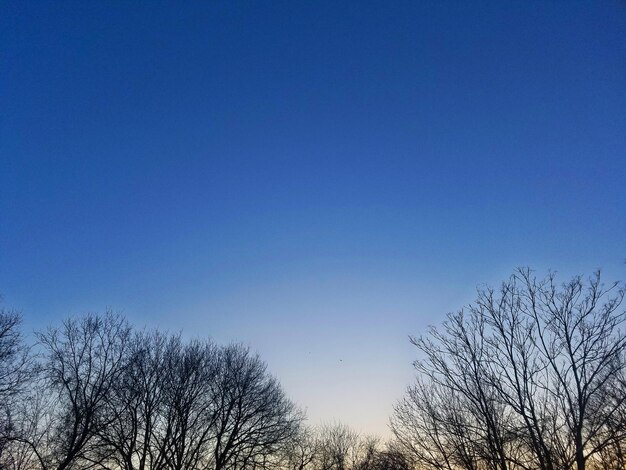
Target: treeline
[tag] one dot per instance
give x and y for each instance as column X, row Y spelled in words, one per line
column 529, row 376
column 94, row 393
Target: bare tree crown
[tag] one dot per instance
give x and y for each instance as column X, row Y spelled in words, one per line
column 529, row 376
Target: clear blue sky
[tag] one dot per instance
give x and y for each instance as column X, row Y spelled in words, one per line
column 316, row 179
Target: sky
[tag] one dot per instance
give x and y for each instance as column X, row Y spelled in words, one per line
column 318, row 180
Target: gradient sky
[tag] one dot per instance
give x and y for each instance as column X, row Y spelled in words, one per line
column 316, row 179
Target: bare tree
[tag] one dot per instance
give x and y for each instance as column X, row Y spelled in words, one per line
column 254, row 417
column 455, row 360
column 369, row 453
column 300, row 452
column 517, row 370
column 530, row 376
column 340, row 447
column 84, row 362
column 15, row 371
column 135, row 406
column 194, row 406
column 188, row 412
column 336, row 446
column 578, row 331
column 105, row 398
column 433, row 429
column 390, row 459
